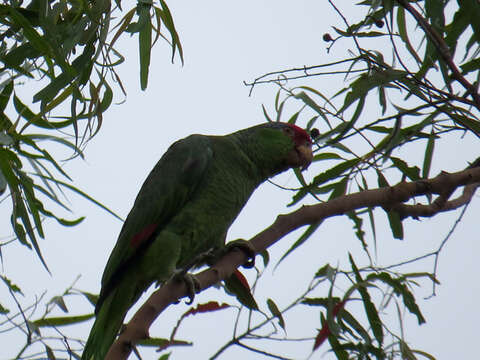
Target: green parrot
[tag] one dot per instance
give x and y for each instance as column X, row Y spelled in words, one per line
column 184, row 209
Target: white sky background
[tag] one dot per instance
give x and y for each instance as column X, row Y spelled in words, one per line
column 226, row 43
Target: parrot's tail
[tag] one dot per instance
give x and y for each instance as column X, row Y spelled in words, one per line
column 107, row 324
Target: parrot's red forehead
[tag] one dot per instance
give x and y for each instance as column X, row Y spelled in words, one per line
column 301, row 135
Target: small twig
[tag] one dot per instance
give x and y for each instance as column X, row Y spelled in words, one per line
column 258, row 351
column 442, row 244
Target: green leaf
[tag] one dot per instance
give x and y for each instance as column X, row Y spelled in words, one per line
column 11, row 286
column 326, row 156
column 427, row 158
column 370, row 310
column 5, row 96
column 465, row 121
column 456, row 28
column 7, row 158
column 266, row 257
column 276, row 312
column 350, row 320
column 3, row 183
column 237, row 285
column 340, row 353
column 362, row 86
column 402, row 31
column 304, row 237
column 37, row 41
column 470, row 66
column 357, row 226
column 340, row 188
column 407, row 354
column 92, row 298
column 58, row 300
column 402, row 290
column 167, row 19
column 81, row 193
column 62, row 320
column 144, row 42
column 328, row 175
column 412, row 172
column 472, row 8
column 349, row 125
column 163, row 343
column 323, row 302
column 266, row 114
column 395, row 224
column 50, row 354
column 3, row 310
column 307, row 100
column 424, row 354
column 324, row 271
column 382, row 181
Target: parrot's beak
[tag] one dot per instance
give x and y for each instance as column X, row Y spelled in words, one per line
column 305, row 154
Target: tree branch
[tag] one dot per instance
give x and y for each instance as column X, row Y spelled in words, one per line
column 443, row 50
column 391, row 198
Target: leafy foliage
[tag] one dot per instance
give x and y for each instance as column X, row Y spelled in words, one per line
column 69, row 48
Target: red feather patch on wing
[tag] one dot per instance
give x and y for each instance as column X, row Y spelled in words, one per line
column 301, row 136
column 143, row 235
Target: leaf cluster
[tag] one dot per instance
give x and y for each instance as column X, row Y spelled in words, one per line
column 68, row 50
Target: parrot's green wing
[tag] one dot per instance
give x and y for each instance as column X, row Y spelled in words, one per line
column 166, row 190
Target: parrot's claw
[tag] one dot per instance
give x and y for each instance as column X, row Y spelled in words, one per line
column 247, row 248
column 190, row 281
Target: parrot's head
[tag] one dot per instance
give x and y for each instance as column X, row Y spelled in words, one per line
column 301, row 155
column 275, row 147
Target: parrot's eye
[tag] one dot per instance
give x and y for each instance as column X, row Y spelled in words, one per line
column 288, row 130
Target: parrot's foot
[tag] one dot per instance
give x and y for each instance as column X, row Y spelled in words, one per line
column 247, row 248
column 190, row 281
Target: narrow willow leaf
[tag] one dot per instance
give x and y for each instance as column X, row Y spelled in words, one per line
column 276, row 312
column 5, row 96
column 350, row 320
column 266, row 257
column 402, row 290
column 412, row 172
column 237, row 285
column 395, row 224
column 328, row 175
column 81, row 193
column 362, row 86
column 266, row 114
column 427, row 158
column 402, row 31
column 304, row 237
column 340, row 353
column 62, row 320
column 307, row 100
column 3, row 183
column 370, row 310
column 168, row 21
column 456, row 28
column 470, row 66
column 37, row 41
column 50, row 354
column 144, row 43
column 326, row 156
